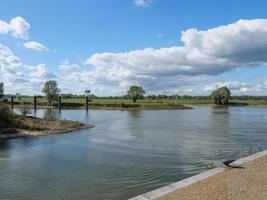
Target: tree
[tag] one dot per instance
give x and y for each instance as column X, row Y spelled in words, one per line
column 221, row 96
column 1, row 90
column 135, row 92
column 51, row 91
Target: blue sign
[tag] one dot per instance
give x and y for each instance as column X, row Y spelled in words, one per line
column 87, row 91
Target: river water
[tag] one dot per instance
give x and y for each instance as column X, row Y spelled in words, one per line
column 127, row 153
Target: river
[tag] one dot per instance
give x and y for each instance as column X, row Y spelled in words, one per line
column 127, row 153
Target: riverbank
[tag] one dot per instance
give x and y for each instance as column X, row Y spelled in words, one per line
column 32, row 127
column 124, row 106
column 147, row 102
column 110, row 106
column 246, row 183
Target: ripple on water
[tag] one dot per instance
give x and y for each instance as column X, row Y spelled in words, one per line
column 127, row 153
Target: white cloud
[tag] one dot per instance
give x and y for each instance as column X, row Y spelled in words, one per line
column 19, row 77
column 232, row 85
column 210, row 52
column 18, row 27
column 237, row 87
column 187, row 69
column 35, row 46
column 8, row 61
column 142, row 3
column 41, row 71
column 180, row 90
column 67, row 66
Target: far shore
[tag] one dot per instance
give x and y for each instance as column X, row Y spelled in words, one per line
column 133, row 107
column 110, row 106
column 127, row 104
column 41, row 127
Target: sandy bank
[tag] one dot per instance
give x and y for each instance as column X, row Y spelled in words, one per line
column 32, row 127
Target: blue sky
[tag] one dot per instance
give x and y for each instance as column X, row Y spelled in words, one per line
column 108, row 45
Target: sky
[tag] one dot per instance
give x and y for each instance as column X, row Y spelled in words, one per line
column 185, row 47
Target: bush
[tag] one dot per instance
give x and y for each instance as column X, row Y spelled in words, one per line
column 5, row 116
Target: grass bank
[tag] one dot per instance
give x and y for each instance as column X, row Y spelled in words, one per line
column 143, row 103
column 14, row 126
column 106, row 104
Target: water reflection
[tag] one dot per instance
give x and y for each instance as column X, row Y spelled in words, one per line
column 34, row 112
column 52, row 114
column 127, row 152
column 87, row 115
column 220, row 109
column 135, row 114
column 4, row 145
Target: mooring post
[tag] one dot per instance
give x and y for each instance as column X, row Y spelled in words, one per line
column 34, row 102
column 59, row 102
column 87, row 100
column 12, row 102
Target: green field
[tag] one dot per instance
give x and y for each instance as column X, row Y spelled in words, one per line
column 149, row 102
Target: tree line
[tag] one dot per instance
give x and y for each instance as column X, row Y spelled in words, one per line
column 51, row 92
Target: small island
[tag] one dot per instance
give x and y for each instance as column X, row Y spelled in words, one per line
column 15, row 126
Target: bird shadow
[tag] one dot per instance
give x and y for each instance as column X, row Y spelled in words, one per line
column 237, row 167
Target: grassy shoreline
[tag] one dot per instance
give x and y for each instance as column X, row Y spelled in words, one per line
column 143, row 103
column 32, row 127
column 110, row 105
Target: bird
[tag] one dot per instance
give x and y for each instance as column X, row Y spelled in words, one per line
column 228, row 162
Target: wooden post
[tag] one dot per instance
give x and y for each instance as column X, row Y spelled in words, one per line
column 87, row 100
column 34, row 102
column 12, row 102
column 59, row 102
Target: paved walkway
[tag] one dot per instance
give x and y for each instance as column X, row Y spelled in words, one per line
column 249, row 183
